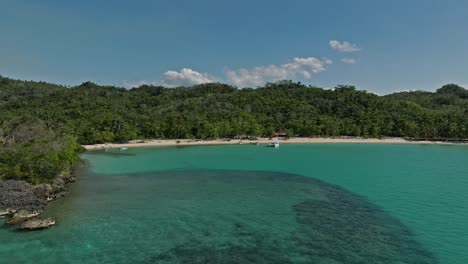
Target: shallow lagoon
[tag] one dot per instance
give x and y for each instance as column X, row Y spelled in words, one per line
column 321, row 203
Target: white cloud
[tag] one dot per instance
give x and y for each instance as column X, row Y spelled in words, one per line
column 304, row 68
column 344, row 46
column 348, row 60
column 184, row 77
column 298, row 67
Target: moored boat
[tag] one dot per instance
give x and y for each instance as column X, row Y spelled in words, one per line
column 273, row 144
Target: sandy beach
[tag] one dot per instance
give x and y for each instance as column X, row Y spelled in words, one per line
column 192, row 142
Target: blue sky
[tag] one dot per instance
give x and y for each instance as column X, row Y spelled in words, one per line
column 391, row 45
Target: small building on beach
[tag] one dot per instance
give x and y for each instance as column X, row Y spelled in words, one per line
column 280, row 133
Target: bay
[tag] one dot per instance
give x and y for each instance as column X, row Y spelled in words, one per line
column 317, row 203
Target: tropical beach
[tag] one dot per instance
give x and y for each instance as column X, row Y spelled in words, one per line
column 234, row 132
column 263, row 141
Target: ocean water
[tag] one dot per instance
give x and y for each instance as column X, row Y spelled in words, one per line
column 317, row 203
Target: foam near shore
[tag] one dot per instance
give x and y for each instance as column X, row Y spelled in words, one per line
column 192, row 142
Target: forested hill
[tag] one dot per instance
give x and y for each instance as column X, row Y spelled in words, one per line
column 40, row 113
column 96, row 114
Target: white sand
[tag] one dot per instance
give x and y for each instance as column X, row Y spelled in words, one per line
column 191, row 142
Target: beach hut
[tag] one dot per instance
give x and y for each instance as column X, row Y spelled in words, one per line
column 280, row 133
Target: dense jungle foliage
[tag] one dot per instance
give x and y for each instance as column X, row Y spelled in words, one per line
column 42, row 124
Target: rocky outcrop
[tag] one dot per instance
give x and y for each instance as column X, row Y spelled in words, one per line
column 57, row 189
column 69, row 179
column 22, row 216
column 5, row 212
column 23, row 202
column 36, row 223
column 20, row 195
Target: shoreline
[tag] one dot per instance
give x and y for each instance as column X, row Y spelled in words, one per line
column 194, row 142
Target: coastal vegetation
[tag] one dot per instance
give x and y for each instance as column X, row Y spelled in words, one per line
column 42, row 125
column 33, row 152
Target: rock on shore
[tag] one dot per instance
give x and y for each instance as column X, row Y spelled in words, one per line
column 23, row 202
column 36, row 223
column 22, row 216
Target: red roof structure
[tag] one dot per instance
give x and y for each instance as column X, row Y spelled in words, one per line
column 280, row 134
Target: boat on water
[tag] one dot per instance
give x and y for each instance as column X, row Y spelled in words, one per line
column 123, row 148
column 273, row 144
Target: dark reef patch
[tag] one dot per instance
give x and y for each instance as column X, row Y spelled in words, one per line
column 330, row 225
column 348, row 229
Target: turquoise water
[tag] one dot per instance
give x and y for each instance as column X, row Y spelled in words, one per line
column 321, row 203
